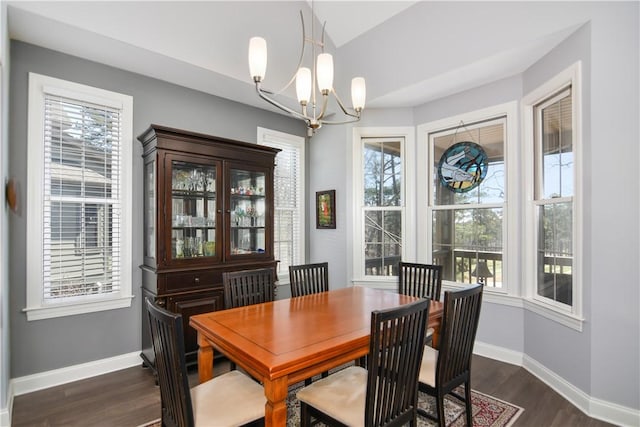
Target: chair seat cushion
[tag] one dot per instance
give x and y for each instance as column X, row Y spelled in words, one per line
column 230, row 399
column 341, row 395
column 428, row 366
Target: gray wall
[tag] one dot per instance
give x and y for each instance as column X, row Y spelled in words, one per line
column 4, row 211
column 602, row 360
column 43, row 345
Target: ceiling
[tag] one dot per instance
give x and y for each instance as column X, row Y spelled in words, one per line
column 410, row 52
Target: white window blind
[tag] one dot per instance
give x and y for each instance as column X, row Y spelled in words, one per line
column 81, row 199
column 289, row 199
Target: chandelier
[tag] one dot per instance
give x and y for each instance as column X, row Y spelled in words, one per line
column 313, row 105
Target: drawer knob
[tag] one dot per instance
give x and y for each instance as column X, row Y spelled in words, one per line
column 197, row 280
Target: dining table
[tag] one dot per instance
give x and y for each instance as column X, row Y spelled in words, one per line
column 286, row 341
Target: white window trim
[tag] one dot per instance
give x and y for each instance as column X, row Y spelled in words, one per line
column 573, row 316
column 508, row 295
column 265, row 135
column 36, row 309
column 408, row 198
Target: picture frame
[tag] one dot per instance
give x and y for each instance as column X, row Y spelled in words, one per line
column 326, row 209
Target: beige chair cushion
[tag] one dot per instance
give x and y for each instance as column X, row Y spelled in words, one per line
column 428, row 366
column 231, row 399
column 341, row 395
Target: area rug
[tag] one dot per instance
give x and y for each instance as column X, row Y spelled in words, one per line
column 487, row 410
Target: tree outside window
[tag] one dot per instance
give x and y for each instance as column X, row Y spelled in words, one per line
column 382, row 205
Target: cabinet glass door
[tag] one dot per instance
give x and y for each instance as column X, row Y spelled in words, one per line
column 193, row 211
column 150, row 211
column 247, row 212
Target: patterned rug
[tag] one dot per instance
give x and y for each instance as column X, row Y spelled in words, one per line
column 487, row 410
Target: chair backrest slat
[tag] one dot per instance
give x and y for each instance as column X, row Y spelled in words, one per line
column 395, row 353
column 457, row 334
column 420, row 280
column 167, row 336
column 247, row 287
column 309, row 279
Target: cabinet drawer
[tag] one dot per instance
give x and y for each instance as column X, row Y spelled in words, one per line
column 191, row 280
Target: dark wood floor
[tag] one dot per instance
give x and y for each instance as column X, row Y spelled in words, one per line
column 129, row 397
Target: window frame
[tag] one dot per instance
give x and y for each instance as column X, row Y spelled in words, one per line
column 36, row 308
column 265, row 135
column 406, row 209
column 572, row 316
column 509, row 293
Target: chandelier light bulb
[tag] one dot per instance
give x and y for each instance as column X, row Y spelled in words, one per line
column 358, row 93
column 303, row 85
column 324, row 69
column 257, row 58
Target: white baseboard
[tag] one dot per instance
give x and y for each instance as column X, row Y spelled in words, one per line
column 42, row 380
column 5, row 413
column 595, row 408
column 498, row 353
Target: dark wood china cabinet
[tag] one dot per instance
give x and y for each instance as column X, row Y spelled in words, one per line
column 208, row 208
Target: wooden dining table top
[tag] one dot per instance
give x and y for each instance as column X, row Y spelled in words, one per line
column 285, row 341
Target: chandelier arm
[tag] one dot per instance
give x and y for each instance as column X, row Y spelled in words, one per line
column 279, row 105
column 342, row 107
column 325, row 102
column 342, row 122
column 295, row 73
column 322, row 36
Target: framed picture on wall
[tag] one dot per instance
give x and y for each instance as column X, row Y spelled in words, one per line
column 326, row 209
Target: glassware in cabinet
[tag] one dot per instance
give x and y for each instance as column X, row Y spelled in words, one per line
column 247, row 202
column 193, row 210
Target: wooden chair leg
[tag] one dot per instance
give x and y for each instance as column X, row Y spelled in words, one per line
column 440, row 409
column 305, row 417
column 468, row 405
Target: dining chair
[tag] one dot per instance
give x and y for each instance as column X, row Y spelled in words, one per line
column 449, row 366
column 386, row 392
column 230, row 399
column 420, row 280
column 247, row 287
column 308, row 279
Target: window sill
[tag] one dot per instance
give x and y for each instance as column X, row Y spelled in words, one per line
column 39, row 313
column 377, row 284
column 569, row 320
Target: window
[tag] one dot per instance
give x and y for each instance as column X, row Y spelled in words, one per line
column 552, row 119
column 380, row 177
column 468, row 201
column 79, row 216
column 467, row 218
column 554, row 197
column 289, row 229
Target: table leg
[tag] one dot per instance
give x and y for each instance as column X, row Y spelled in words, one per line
column 275, row 410
column 435, row 338
column 205, row 359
